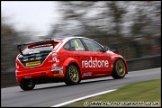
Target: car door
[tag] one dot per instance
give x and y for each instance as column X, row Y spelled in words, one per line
column 78, row 52
column 98, row 60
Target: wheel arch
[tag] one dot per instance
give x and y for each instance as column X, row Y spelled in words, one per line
column 74, row 63
column 70, row 61
column 123, row 61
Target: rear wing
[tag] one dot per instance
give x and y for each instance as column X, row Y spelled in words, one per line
column 35, row 43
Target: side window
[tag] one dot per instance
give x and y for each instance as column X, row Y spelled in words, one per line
column 67, row 46
column 92, row 45
column 76, row 45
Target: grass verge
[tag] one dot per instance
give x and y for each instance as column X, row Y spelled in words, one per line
column 145, row 94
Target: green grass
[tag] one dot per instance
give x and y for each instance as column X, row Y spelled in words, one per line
column 146, row 93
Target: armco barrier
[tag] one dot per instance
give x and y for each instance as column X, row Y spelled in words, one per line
column 144, row 63
column 8, row 78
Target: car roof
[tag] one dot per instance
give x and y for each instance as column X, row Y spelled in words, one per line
column 69, row 38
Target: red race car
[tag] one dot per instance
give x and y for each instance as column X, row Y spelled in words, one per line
column 68, row 60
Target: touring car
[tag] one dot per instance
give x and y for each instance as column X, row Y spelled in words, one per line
column 68, row 60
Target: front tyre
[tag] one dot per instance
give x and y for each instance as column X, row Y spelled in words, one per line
column 119, row 69
column 27, row 84
column 72, row 75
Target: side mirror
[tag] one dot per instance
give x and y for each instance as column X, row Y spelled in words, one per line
column 105, row 49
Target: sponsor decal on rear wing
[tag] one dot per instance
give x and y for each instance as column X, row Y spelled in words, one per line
column 35, row 43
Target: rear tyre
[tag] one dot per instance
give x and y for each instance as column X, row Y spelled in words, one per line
column 119, row 70
column 27, row 84
column 72, row 75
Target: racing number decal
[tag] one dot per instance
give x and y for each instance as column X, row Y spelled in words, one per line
column 51, row 47
column 76, row 43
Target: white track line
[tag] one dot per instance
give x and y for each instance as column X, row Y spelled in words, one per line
column 85, row 97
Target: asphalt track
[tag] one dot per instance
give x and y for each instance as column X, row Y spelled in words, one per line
column 46, row 95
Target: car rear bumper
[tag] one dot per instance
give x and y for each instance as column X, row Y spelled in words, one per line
column 56, row 72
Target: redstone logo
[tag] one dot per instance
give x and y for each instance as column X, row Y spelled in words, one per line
column 95, row 63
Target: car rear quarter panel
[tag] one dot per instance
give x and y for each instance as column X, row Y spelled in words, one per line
column 66, row 58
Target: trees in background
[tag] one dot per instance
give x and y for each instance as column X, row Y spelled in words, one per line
column 131, row 28
column 10, row 37
column 123, row 25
